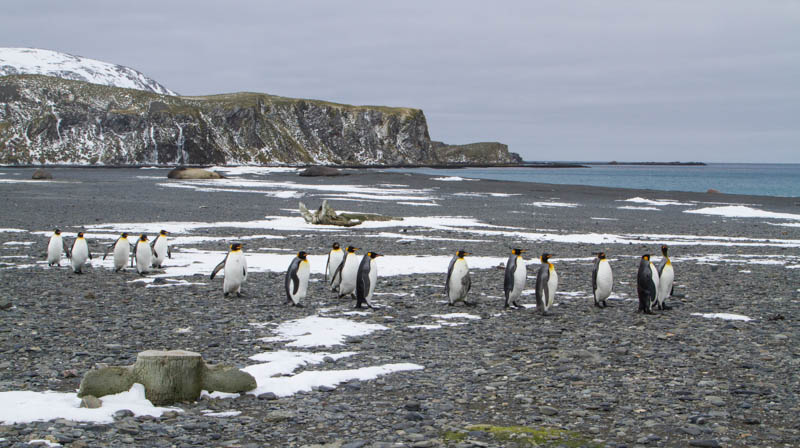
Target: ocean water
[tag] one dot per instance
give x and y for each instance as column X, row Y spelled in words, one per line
column 735, row 178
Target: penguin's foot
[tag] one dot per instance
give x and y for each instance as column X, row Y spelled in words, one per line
column 239, row 294
column 451, row 304
column 664, row 306
column 298, row 305
column 470, row 303
column 605, row 304
column 225, row 294
column 597, row 304
column 516, row 306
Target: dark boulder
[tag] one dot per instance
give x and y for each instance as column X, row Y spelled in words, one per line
column 41, row 174
column 314, row 171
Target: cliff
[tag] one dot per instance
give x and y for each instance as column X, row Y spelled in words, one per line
column 47, row 120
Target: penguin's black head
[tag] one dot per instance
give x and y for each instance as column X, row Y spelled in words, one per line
column 462, row 254
column 301, row 255
column 664, row 249
column 601, row 255
column 80, row 234
column 335, row 246
column 124, row 235
column 351, row 249
column 236, row 246
column 143, row 237
column 646, row 257
column 373, row 255
column 57, row 231
column 163, row 232
column 517, row 251
column 545, row 257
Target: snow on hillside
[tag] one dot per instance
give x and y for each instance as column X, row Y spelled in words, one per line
column 35, row 61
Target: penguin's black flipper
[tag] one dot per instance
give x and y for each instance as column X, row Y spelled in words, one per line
column 109, row 248
column 133, row 253
column 169, row 253
column 296, row 281
column 327, row 264
column 338, row 271
column 508, row 280
column 153, row 243
column 466, row 281
column 219, row 266
column 541, row 286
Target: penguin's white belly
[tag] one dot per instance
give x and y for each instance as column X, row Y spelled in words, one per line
column 54, row 249
column 552, row 285
column 122, row 251
column 333, row 262
column 457, row 289
column 349, row 274
column 373, row 278
column 656, row 282
column 605, row 280
column 160, row 251
column 80, row 253
column 144, row 257
column 234, row 272
column 520, row 276
column 665, row 282
column 302, row 277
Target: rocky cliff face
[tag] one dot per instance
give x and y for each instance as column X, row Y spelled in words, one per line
column 57, row 121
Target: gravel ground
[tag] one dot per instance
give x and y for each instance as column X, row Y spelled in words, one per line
column 578, row 377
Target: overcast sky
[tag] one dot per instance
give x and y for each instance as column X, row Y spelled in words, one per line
column 631, row 80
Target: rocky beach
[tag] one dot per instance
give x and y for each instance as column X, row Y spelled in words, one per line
column 718, row 369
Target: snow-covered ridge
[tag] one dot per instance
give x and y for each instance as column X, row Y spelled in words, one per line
column 36, row 61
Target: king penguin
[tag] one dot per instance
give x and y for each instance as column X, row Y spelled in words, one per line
column 296, row 282
column 335, row 257
column 122, row 251
column 235, row 270
column 546, row 284
column 666, row 275
column 143, row 254
column 160, row 249
column 55, row 247
column 80, row 253
column 646, row 284
column 516, row 274
column 602, row 280
column 366, row 279
column 347, row 273
column 458, row 282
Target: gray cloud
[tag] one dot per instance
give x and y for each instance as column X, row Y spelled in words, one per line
column 588, row 80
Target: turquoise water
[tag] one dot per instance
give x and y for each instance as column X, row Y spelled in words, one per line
column 734, row 178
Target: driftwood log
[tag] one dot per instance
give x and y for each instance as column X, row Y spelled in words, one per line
column 168, row 377
column 326, row 215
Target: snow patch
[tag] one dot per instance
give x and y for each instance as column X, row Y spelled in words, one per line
column 316, row 331
column 740, row 211
column 724, row 316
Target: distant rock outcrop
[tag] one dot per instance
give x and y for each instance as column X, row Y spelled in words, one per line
column 485, row 153
column 41, row 174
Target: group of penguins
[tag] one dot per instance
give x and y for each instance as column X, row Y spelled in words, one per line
column 356, row 278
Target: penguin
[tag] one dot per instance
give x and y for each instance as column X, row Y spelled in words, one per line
column 602, row 280
column 296, row 282
column 79, row 253
column 366, row 279
column 457, row 284
column 122, row 250
column 143, row 254
column 546, row 284
column 516, row 274
column 160, row 249
column 347, row 273
column 235, row 270
column 646, row 284
column 335, row 257
column 666, row 275
column 55, row 247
